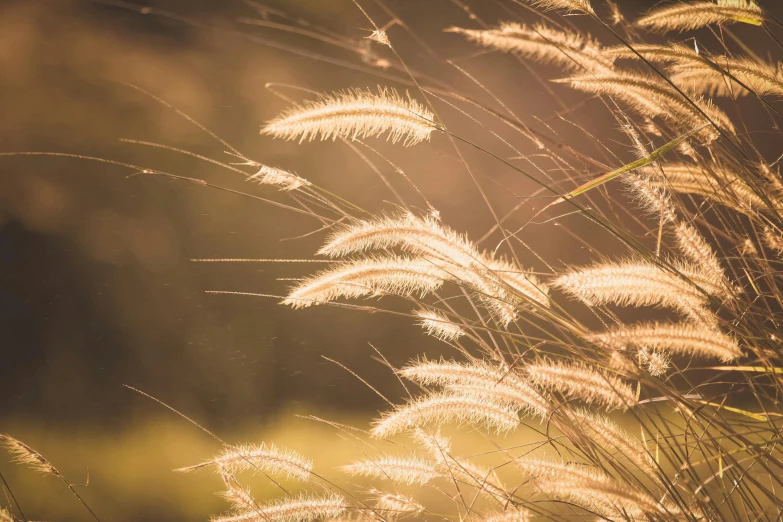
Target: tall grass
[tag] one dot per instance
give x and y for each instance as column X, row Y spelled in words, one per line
column 557, row 353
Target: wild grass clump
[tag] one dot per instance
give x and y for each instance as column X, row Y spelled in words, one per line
column 649, row 380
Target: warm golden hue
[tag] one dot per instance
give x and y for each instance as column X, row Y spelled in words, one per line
column 355, row 115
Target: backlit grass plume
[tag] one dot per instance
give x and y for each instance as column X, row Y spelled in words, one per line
column 27, row 456
column 612, row 438
column 24, row 455
column 265, row 458
column 511, row 515
column 408, row 232
column 686, row 16
column 596, row 491
column 392, row 505
column 451, row 466
column 394, row 275
column 355, row 114
column 617, row 301
column 499, row 283
column 439, row 326
column 543, row 44
column 698, row 251
column 298, row 509
column 773, row 239
column 658, row 53
column 406, row 470
column 722, row 76
column 713, row 75
column 240, row 498
column 567, row 5
column 444, row 408
column 583, row 383
column 480, row 381
column 638, row 283
column 713, row 182
column 651, row 96
column 686, row 339
column 278, row 177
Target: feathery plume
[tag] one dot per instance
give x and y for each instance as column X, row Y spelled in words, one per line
column 748, row 248
column 407, row 470
column 543, row 44
column 716, row 287
column 773, row 239
column 712, row 75
column 436, row 444
column 439, row 448
column 772, row 176
column 669, row 53
column 584, row 383
column 439, row 326
column 278, row 177
column 680, row 338
column 693, row 246
column 481, row 381
column 520, row 282
column 634, row 283
column 392, row 504
column 616, row 15
column 443, row 408
column 379, row 36
column 485, row 480
column 403, row 276
column 266, row 458
column 652, row 198
column 422, row 236
column 297, row 509
column 26, row 456
column 450, row 250
column 652, row 97
column 719, row 184
column 355, row 114
column 6, row 516
column 685, row 17
column 527, row 399
column 568, row 5
column 240, row 498
column 612, row 437
column 619, row 362
column 656, row 363
column 594, row 490
column 510, row 515
column 450, row 372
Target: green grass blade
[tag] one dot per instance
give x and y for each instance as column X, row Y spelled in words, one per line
column 641, row 162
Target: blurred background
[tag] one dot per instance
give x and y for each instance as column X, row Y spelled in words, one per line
column 96, row 284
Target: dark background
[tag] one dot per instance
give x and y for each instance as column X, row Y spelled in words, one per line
column 96, row 286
